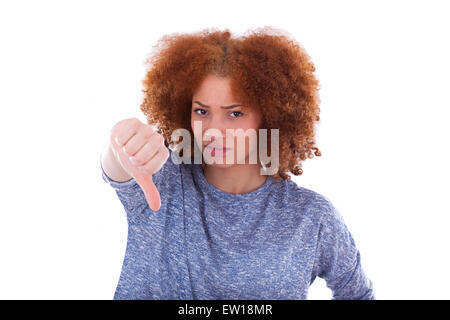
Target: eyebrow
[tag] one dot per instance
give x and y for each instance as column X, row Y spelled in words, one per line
column 223, row 107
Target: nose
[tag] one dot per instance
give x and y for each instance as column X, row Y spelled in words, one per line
column 216, row 133
column 211, row 136
column 214, row 124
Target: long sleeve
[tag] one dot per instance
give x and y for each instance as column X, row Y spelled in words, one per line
column 338, row 261
column 130, row 195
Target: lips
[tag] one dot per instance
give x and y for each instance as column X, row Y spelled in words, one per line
column 217, row 149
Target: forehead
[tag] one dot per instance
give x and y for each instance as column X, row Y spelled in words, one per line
column 214, row 91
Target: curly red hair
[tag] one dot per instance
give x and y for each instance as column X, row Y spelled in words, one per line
column 268, row 70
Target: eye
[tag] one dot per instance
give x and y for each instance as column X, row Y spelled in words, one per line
column 239, row 112
column 195, row 110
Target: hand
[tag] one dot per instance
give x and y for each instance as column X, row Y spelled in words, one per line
column 141, row 152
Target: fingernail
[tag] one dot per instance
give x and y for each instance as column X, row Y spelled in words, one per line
column 134, row 161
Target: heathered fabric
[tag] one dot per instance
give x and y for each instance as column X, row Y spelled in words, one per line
column 205, row 243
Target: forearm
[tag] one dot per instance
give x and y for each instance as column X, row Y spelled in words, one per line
column 112, row 167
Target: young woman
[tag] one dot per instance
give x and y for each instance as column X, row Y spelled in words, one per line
column 226, row 230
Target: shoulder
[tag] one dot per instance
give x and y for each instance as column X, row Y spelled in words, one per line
column 310, row 201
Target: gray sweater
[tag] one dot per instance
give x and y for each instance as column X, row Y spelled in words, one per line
column 205, row 243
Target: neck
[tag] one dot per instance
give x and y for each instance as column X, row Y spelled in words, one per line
column 239, row 178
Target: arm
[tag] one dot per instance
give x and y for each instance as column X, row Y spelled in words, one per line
column 338, row 261
column 131, row 195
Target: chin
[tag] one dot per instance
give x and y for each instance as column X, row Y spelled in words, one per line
column 218, row 165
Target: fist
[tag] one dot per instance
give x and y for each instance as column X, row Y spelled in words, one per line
column 141, row 152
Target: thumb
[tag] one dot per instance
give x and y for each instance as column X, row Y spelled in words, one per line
column 145, row 181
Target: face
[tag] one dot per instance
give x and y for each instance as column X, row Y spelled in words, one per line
column 214, row 108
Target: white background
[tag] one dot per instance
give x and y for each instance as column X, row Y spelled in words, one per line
column 69, row 70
